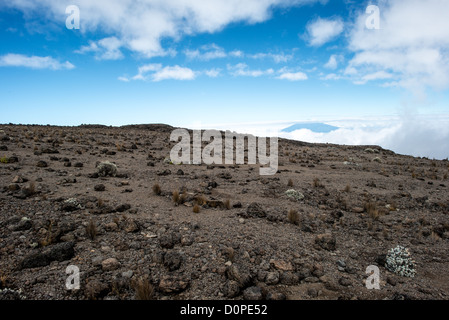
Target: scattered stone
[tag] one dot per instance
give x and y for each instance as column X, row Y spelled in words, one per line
column 253, row 293
column 312, row 292
column 166, row 172
column 112, row 226
column 58, row 252
column 172, row 260
column 123, row 207
column 326, row 241
column 99, row 187
column 237, row 205
column 238, row 274
column 173, row 284
column 255, row 210
column 289, row 278
column 272, row 278
column 19, row 179
column 282, row 265
column 130, row 226
column 110, row 264
column 24, row 224
column 41, row 164
column 276, row 296
column 345, row 282
column 231, row 289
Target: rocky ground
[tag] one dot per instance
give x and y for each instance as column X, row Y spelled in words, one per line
column 155, row 230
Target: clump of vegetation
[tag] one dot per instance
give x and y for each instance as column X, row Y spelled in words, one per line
column 4, row 160
column 196, row 208
column 176, row 197
column 399, row 261
column 317, row 183
column 48, row 235
column 227, row 204
column 200, row 200
column 372, row 210
column 106, row 168
column 294, row 194
column 179, row 198
column 91, row 230
column 290, row 183
column 157, row 189
column 144, row 289
column 293, row 216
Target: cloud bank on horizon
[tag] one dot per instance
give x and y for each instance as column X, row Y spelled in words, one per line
column 298, row 57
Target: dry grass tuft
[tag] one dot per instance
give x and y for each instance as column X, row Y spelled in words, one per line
column 200, row 200
column 157, row 189
column 372, row 210
column 176, row 197
column 91, row 230
column 144, row 289
column 196, row 208
column 293, row 216
column 227, row 204
column 317, row 183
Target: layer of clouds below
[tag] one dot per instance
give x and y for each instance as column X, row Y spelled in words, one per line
column 419, row 136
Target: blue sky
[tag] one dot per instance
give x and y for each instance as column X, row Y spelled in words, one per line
column 223, row 63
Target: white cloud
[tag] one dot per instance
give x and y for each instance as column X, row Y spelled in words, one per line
column 242, row 69
column 213, row 73
column 331, row 76
column 141, row 25
column 213, row 51
column 334, row 61
column 33, row 62
column 410, row 134
column 124, row 79
column 104, row 49
column 174, row 73
column 412, row 44
column 156, row 72
column 379, row 75
column 321, row 31
column 207, row 52
column 277, row 58
column 236, row 54
column 296, row 76
column 416, row 135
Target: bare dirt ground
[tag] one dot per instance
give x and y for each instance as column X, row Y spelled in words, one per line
column 132, row 241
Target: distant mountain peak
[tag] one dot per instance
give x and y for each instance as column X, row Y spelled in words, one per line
column 312, row 126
